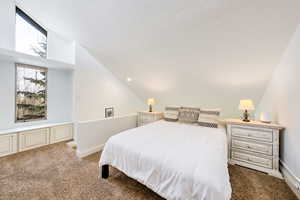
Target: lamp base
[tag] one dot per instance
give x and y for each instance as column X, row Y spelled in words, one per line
column 150, row 108
column 246, row 116
column 246, row 120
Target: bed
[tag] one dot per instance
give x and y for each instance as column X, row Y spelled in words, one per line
column 177, row 161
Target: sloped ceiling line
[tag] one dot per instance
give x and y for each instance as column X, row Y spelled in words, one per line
column 198, row 53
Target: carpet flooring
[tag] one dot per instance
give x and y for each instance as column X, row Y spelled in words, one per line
column 54, row 172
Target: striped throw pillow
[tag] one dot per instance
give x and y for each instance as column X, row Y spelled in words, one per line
column 188, row 115
column 209, row 118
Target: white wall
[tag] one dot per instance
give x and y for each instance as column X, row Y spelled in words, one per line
column 97, row 88
column 60, row 96
column 92, row 135
column 60, row 49
column 282, row 98
column 94, row 87
column 60, row 82
column 194, row 53
column 7, row 24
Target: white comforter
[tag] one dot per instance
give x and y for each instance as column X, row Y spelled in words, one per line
column 177, row 161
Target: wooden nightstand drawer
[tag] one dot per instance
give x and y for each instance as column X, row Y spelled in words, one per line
column 251, row 146
column 254, row 145
column 252, row 159
column 265, row 135
column 148, row 117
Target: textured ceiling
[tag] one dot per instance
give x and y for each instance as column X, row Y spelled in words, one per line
column 184, row 52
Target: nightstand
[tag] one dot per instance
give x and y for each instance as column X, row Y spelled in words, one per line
column 254, row 145
column 145, row 117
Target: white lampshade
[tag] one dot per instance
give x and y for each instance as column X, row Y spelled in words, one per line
column 246, row 104
column 151, row 101
column 266, row 117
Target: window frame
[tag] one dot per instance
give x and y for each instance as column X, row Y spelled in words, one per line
column 29, row 20
column 16, row 90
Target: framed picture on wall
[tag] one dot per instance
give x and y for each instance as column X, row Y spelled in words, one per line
column 109, row 112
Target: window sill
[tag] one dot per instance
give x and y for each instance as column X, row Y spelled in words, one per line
column 17, row 57
column 32, row 127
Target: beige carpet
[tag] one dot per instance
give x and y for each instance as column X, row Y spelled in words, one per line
column 54, row 172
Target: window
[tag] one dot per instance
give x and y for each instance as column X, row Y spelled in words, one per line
column 31, row 38
column 31, row 93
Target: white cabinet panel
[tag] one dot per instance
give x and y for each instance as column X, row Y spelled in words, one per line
column 254, row 160
column 61, row 133
column 33, row 139
column 148, row 117
column 255, row 134
column 254, row 145
column 264, row 148
column 8, row 144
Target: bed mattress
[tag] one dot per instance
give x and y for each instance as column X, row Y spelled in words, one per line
column 177, row 161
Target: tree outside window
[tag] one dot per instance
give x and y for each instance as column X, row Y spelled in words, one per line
column 31, row 93
column 31, row 38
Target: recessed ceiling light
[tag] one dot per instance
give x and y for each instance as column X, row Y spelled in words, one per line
column 129, row 79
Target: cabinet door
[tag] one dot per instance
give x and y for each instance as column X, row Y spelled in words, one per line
column 148, row 118
column 61, row 133
column 33, row 139
column 8, row 144
column 140, row 119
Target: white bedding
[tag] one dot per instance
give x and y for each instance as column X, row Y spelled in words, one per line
column 177, row 161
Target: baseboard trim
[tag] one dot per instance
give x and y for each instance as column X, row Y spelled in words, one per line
column 72, row 144
column 291, row 179
column 89, row 151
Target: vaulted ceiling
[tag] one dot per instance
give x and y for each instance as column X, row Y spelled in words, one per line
column 208, row 53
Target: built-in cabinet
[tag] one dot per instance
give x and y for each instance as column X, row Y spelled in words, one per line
column 33, row 139
column 8, row 144
column 61, row 133
column 19, row 141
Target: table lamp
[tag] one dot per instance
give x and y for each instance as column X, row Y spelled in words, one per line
column 151, row 102
column 246, row 104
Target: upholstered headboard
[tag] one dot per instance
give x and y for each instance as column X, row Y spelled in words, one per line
column 191, row 108
column 172, row 108
column 204, row 117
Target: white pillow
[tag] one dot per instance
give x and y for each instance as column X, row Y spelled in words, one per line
column 209, row 117
column 171, row 114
